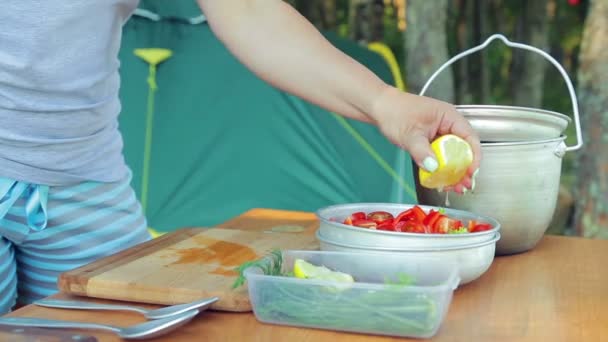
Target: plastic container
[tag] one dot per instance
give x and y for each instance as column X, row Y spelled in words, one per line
column 374, row 304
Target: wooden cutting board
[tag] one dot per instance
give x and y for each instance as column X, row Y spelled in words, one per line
column 188, row 264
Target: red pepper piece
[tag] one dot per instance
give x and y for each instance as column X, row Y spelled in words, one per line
column 431, row 218
column 386, row 225
column 413, row 214
column 480, row 227
column 358, row 216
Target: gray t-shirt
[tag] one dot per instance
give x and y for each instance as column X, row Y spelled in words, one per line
column 59, row 87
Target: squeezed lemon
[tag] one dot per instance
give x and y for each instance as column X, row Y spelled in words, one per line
column 305, row 270
column 454, row 156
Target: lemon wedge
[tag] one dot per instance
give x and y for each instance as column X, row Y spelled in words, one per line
column 454, row 156
column 305, row 270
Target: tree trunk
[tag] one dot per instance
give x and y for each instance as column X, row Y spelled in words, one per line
column 481, row 35
column 461, row 73
column 321, row 13
column 366, row 20
column 375, row 10
column 528, row 71
column 427, row 49
column 591, row 205
column 354, row 18
column 329, row 14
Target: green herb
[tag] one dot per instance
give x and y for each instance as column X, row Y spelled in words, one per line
column 402, row 280
column 461, row 230
column 392, row 311
column 270, row 265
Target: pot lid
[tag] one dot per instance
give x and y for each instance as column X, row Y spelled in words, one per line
column 508, row 124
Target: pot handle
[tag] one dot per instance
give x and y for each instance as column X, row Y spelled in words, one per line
column 579, row 139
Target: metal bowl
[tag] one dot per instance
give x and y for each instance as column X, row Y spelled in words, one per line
column 333, row 230
column 473, row 260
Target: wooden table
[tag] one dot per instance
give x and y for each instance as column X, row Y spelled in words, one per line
column 556, row 292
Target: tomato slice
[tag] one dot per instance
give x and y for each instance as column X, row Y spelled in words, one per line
column 413, row 227
column 365, row 223
column 413, row 220
column 380, row 216
column 445, row 224
column 480, row 227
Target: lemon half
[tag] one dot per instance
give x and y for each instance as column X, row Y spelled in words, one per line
column 305, row 270
column 454, row 156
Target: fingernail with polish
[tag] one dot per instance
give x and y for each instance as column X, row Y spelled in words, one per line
column 430, row 164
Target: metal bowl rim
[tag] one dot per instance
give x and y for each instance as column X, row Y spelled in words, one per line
column 409, row 249
column 516, row 108
column 524, row 142
column 495, row 224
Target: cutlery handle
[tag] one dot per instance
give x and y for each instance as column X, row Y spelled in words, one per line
column 71, row 304
column 50, row 323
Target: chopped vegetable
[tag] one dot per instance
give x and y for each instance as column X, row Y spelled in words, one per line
column 380, row 216
column 461, row 230
column 365, row 223
column 415, row 220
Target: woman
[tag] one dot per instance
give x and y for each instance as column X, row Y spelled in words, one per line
column 65, row 198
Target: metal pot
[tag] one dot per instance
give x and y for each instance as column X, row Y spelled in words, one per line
column 519, row 175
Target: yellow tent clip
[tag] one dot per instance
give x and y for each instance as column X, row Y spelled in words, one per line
column 390, row 59
column 154, row 233
column 153, row 56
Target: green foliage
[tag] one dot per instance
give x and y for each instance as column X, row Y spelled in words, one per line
column 502, row 16
column 564, row 41
column 272, row 264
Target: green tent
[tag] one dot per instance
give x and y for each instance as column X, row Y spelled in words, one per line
column 221, row 141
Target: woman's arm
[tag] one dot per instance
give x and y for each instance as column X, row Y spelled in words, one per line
column 283, row 48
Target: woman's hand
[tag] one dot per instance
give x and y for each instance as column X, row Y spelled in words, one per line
column 412, row 122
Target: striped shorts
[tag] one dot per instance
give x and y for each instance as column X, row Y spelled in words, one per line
column 47, row 230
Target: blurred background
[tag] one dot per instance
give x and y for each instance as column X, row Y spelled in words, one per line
column 200, row 160
column 428, row 33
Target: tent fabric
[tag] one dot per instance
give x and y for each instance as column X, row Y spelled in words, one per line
column 223, row 141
